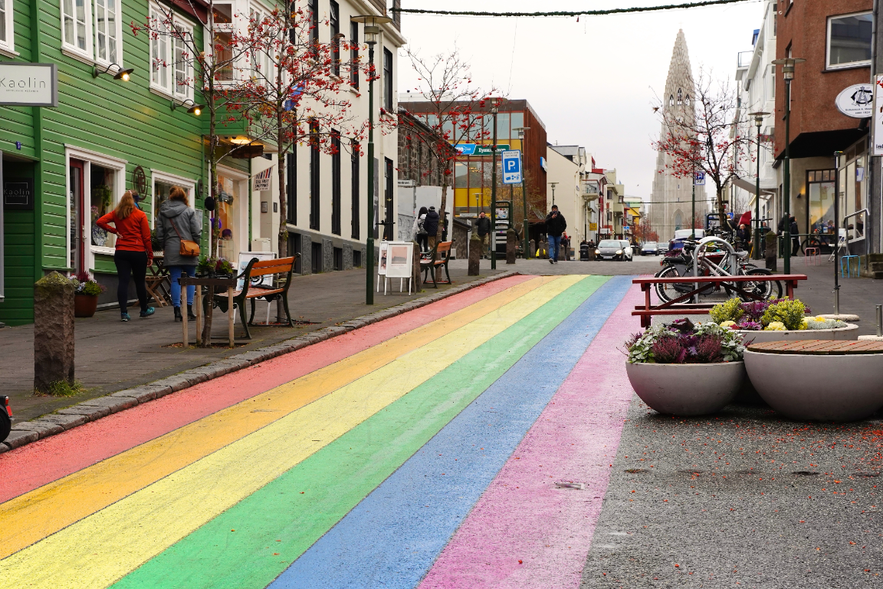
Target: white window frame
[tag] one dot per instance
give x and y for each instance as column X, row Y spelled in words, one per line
column 231, row 27
column 851, row 64
column 90, row 157
column 7, row 45
column 258, row 12
column 170, row 46
column 188, row 184
column 90, row 23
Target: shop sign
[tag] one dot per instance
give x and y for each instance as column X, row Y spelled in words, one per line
column 878, row 117
column 28, row 84
column 856, row 101
column 262, row 180
column 18, row 194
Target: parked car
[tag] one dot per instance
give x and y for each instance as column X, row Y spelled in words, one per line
column 5, row 418
column 682, row 235
column 650, row 248
column 661, row 247
column 614, row 249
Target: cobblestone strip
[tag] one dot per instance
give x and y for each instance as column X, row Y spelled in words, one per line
column 48, row 425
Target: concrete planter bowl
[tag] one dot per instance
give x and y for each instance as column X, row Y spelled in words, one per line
column 849, row 332
column 818, row 387
column 686, row 389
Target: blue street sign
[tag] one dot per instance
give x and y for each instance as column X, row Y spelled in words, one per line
column 700, row 179
column 465, row 148
column 512, row 166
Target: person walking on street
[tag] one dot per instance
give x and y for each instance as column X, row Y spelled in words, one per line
column 418, row 231
column 555, row 226
column 133, row 252
column 431, row 226
column 483, row 225
column 795, row 239
column 178, row 221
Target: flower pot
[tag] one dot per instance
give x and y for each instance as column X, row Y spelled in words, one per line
column 841, row 333
column 816, row 386
column 687, row 389
column 85, row 305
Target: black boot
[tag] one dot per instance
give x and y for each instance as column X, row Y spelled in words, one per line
column 178, row 316
column 190, row 315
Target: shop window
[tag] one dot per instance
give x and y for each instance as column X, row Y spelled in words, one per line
column 460, row 175
column 7, row 38
column 171, row 67
column 91, row 29
column 820, row 189
column 849, row 40
column 229, row 218
column 162, row 186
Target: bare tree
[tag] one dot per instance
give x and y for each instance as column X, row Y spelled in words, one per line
column 702, row 140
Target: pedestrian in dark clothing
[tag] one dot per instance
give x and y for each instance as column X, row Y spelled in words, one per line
column 419, row 231
column 555, row 226
column 431, row 226
column 483, row 227
column 795, row 240
column 178, row 221
column 743, row 235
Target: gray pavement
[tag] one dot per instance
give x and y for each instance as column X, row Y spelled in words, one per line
column 121, row 364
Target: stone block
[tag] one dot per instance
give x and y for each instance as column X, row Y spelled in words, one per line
column 141, row 394
column 53, row 331
column 92, row 412
column 66, row 421
column 19, row 437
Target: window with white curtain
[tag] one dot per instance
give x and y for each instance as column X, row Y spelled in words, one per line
column 91, row 29
column 171, row 66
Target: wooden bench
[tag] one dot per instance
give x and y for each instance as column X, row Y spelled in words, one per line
column 253, row 287
column 437, row 257
column 679, row 306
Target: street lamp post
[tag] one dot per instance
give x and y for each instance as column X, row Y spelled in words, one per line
column 787, row 75
column 372, row 31
column 523, row 137
column 758, row 122
column 837, row 155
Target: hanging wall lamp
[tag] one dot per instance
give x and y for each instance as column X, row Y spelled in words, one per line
column 195, row 109
column 120, row 75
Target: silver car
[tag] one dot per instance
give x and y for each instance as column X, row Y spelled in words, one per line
column 614, row 249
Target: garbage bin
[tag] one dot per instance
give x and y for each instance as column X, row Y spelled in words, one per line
column 584, row 252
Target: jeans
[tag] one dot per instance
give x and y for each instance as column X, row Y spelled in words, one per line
column 131, row 265
column 554, row 245
column 175, row 273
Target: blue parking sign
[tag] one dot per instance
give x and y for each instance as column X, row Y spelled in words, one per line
column 699, row 179
column 511, row 166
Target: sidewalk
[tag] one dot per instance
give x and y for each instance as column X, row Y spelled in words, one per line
column 139, row 360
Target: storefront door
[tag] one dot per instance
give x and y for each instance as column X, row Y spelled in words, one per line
column 79, row 241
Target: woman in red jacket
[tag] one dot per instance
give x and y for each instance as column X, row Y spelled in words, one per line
column 133, row 251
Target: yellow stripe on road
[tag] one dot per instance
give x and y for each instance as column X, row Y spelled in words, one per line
column 108, row 545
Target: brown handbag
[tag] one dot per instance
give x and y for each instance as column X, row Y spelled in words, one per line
column 189, row 249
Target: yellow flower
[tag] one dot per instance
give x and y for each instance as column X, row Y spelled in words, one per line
column 804, row 324
column 775, row 326
column 819, row 319
column 726, row 324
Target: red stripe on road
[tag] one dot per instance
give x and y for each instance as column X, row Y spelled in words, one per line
column 42, row 462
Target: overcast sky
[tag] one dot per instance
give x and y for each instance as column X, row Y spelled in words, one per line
column 593, row 82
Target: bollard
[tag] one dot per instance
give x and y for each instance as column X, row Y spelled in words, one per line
column 53, row 331
column 879, row 320
column 474, row 255
column 532, row 250
column 770, row 252
column 511, row 246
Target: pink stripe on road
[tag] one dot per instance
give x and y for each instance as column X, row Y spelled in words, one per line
column 113, row 434
column 526, row 532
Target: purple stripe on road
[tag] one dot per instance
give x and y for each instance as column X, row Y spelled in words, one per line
column 532, row 528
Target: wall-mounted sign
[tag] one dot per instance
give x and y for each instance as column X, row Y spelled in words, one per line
column 18, row 194
column 877, row 125
column 856, row 101
column 28, row 84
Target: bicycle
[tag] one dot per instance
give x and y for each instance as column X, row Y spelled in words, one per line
column 714, row 257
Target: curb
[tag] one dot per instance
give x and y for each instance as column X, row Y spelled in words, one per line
column 64, row 419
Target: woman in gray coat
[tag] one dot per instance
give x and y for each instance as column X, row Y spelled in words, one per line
column 176, row 217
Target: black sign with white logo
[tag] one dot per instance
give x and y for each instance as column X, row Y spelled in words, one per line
column 18, row 194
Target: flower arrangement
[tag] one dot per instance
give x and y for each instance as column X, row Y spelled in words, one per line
column 771, row 315
column 85, row 285
column 218, row 266
column 683, row 342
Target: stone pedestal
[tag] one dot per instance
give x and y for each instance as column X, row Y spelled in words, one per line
column 511, row 246
column 474, row 255
column 53, row 331
column 532, row 249
column 770, row 250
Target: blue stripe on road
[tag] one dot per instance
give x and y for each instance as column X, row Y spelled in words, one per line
column 392, row 538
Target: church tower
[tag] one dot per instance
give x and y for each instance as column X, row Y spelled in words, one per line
column 671, row 197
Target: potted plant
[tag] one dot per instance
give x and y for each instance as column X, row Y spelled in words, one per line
column 686, row 368
column 214, row 267
column 86, row 291
column 779, row 319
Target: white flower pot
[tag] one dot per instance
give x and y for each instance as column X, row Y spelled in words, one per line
column 823, row 387
column 841, row 333
column 686, row 389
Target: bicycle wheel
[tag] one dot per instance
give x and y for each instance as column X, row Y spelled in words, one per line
column 764, row 289
column 667, row 292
